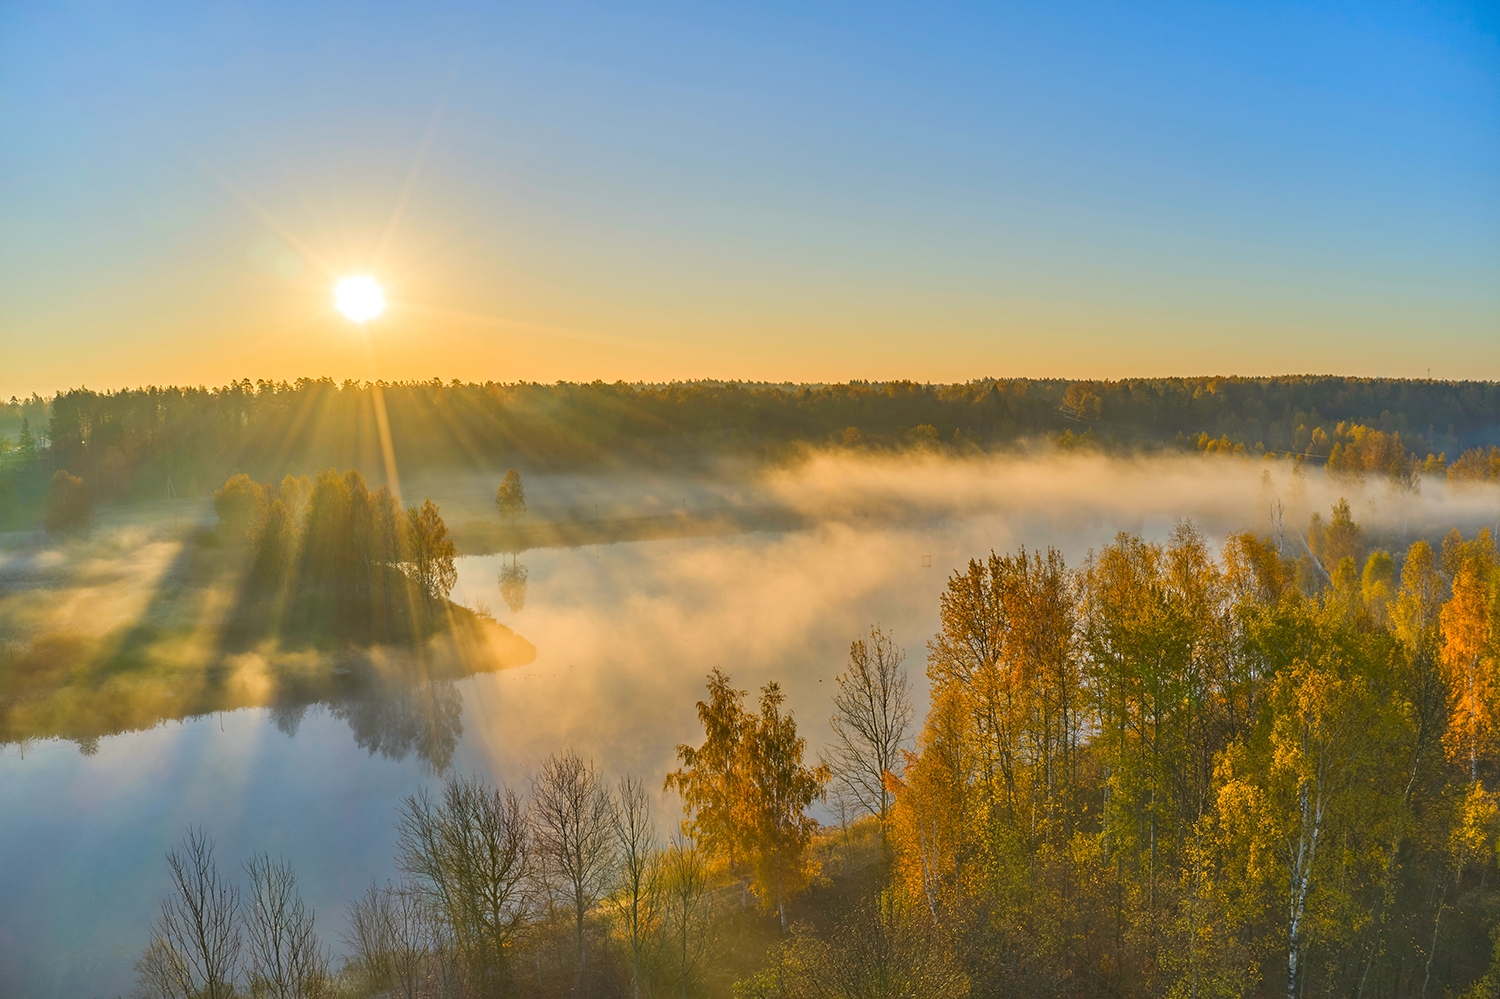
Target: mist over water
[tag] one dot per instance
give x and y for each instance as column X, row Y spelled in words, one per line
column 624, row 635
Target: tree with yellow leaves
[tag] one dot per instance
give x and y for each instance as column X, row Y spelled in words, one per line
column 1468, row 655
column 710, row 778
column 746, row 790
column 933, row 815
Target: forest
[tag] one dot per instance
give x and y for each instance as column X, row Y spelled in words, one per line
column 159, row 441
column 330, row 557
column 1164, row 771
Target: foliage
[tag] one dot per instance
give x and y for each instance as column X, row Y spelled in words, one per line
column 1468, row 656
column 712, row 775
column 881, row 952
column 746, row 790
column 329, row 556
column 195, row 436
column 1249, row 797
column 1337, row 540
column 510, row 498
column 241, row 506
column 70, row 504
column 429, row 552
column 1168, row 771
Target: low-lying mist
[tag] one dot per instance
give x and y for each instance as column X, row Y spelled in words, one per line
column 1067, row 492
column 626, row 633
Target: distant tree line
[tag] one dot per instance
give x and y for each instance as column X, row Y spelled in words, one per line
column 329, row 556
column 132, row 442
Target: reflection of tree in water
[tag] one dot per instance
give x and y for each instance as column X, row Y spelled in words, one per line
column 288, row 717
column 396, row 720
column 398, row 699
column 513, row 584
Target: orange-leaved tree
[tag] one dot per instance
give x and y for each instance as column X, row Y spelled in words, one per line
column 746, row 790
column 1468, row 652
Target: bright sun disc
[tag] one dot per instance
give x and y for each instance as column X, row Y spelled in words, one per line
column 359, row 298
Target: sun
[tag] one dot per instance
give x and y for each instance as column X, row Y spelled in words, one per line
column 359, row 298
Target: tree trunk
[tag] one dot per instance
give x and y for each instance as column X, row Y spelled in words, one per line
column 578, row 981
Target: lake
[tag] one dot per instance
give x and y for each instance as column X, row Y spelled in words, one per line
column 624, row 635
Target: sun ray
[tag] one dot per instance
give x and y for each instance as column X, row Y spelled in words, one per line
column 275, row 225
column 414, row 174
column 520, row 326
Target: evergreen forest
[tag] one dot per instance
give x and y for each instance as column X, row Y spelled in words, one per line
column 182, row 441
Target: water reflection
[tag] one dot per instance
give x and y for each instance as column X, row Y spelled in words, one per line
column 426, row 719
column 393, row 716
column 396, row 701
column 513, row 584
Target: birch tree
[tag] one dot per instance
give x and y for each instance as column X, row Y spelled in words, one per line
column 1468, row 654
column 638, row 897
column 779, row 788
column 685, row 912
column 469, row 855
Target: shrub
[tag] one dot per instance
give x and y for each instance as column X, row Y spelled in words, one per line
column 70, row 505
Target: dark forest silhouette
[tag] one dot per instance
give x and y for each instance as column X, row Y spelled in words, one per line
column 154, row 442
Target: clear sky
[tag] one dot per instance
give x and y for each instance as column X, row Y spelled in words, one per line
column 764, row 191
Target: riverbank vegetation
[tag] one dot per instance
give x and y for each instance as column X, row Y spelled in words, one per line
column 1165, row 771
column 329, row 557
column 311, row 591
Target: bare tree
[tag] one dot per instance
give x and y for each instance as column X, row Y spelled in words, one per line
column 574, row 820
column 872, row 718
column 287, row 961
column 370, row 939
column 419, row 951
column 469, row 856
column 195, row 946
column 638, row 897
column 685, row 911
column 394, row 941
column 844, row 806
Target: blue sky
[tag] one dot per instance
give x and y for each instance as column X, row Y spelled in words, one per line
column 809, row 192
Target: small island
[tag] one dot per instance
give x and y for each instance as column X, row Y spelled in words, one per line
column 312, row 590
